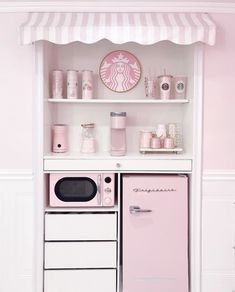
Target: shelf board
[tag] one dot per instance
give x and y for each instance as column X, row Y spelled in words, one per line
column 135, row 101
column 81, row 209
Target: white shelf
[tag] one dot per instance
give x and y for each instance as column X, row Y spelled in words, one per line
column 135, row 101
column 81, row 209
column 130, row 155
column 161, row 150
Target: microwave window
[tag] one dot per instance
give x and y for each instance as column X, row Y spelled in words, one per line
column 75, row 189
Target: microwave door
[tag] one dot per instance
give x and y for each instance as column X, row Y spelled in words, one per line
column 76, row 189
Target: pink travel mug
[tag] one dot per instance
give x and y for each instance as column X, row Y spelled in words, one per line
column 165, row 82
column 60, row 138
column 180, row 83
column 87, row 84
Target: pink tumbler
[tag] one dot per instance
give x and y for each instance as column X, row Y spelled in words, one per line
column 118, row 133
column 60, row 143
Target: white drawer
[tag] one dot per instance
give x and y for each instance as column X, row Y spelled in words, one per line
column 83, row 226
column 118, row 165
column 71, row 255
column 80, row 281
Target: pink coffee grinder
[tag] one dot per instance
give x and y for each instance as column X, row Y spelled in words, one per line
column 118, row 133
column 60, row 138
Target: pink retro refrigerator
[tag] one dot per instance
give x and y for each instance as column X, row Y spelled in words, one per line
column 155, row 233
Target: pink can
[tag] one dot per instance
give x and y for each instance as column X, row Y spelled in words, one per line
column 72, row 84
column 57, row 84
column 60, row 138
column 87, row 84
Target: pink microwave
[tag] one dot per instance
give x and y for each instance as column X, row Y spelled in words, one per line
column 82, row 189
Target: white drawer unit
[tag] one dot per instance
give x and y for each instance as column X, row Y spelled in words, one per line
column 179, row 165
column 81, row 226
column 80, row 280
column 69, row 255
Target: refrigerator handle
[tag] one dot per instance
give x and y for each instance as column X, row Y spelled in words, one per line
column 137, row 209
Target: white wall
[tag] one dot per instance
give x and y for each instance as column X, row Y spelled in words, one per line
column 16, row 96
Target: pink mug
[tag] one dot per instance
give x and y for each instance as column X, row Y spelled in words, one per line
column 155, row 143
column 169, row 143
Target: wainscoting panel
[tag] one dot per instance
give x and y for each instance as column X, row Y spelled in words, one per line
column 218, row 232
column 16, row 227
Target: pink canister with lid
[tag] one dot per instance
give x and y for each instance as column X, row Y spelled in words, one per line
column 60, row 138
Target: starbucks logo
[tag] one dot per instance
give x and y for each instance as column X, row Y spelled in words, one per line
column 165, row 86
column 180, row 87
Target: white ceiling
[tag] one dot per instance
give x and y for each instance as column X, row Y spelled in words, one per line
column 77, row 2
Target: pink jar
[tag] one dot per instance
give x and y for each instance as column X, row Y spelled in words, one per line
column 145, row 138
column 60, row 138
column 87, row 84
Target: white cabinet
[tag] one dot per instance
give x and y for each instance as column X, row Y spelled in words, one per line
column 80, row 252
column 82, row 226
column 80, row 280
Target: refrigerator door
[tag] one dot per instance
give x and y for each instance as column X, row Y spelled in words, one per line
column 155, row 233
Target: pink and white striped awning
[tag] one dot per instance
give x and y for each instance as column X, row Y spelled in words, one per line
column 141, row 28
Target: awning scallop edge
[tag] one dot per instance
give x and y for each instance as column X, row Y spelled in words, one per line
column 119, row 28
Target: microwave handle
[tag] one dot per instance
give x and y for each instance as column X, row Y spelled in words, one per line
column 99, row 199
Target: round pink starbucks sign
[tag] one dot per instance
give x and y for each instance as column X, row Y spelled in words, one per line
column 120, row 71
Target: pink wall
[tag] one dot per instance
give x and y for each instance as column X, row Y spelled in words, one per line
column 16, row 89
column 219, row 115
column 16, row 96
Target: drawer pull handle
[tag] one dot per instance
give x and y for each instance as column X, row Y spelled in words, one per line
column 137, row 209
column 118, row 165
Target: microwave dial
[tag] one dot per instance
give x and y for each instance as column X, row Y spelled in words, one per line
column 108, row 190
column 108, row 179
column 107, row 201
